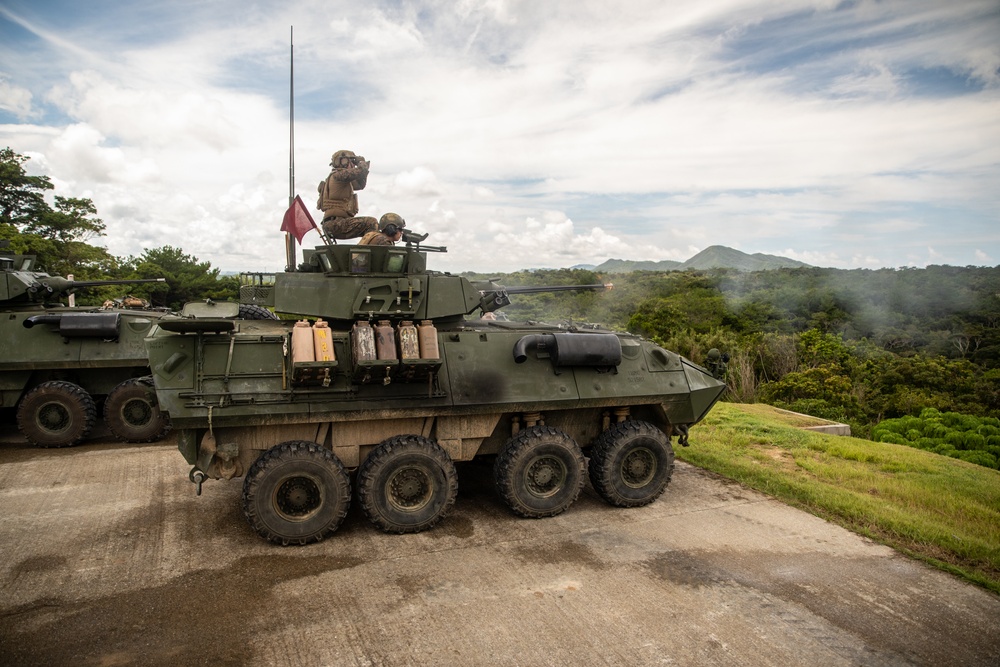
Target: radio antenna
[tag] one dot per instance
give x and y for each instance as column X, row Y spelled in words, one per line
column 291, row 254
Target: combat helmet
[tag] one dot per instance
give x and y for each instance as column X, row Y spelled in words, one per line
column 335, row 159
column 390, row 223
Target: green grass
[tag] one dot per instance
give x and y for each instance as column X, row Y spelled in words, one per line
column 931, row 507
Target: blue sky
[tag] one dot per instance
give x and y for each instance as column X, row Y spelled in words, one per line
column 522, row 133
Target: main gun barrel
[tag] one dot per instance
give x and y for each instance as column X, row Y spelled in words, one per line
column 497, row 297
column 60, row 285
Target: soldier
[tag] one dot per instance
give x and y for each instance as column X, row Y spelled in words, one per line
column 390, row 230
column 338, row 201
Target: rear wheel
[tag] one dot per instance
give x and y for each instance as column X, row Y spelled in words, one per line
column 407, row 484
column 540, row 472
column 631, row 464
column 132, row 413
column 56, row 414
column 295, row 493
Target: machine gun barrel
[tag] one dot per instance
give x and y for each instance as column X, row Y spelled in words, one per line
column 59, row 285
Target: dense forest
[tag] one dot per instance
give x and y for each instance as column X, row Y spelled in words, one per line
column 857, row 346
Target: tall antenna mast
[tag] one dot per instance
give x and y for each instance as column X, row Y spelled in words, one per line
column 290, row 251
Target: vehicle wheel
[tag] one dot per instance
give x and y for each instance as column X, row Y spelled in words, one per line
column 407, row 484
column 132, row 414
column 631, row 464
column 539, row 473
column 56, row 414
column 295, row 493
column 249, row 311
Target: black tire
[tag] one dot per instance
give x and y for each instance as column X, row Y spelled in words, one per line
column 249, row 311
column 631, row 464
column 540, row 472
column 56, row 414
column 132, row 413
column 407, row 484
column 295, row 493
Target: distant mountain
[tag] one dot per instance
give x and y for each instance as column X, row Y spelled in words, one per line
column 714, row 257
column 626, row 265
column 721, row 257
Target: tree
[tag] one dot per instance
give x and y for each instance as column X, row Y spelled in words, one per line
column 21, row 196
column 187, row 278
column 59, row 237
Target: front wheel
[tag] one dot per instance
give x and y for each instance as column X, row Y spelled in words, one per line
column 539, row 472
column 56, row 414
column 295, row 493
column 407, row 484
column 631, row 464
column 132, row 413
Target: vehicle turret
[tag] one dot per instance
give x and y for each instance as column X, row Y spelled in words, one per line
column 344, row 283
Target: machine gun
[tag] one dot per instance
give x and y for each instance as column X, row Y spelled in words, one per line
column 413, row 240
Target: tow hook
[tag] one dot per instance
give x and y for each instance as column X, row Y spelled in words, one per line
column 197, row 477
column 682, row 434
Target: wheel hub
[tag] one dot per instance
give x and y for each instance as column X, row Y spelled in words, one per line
column 638, row 468
column 137, row 412
column 298, row 497
column 545, row 476
column 53, row 417
column 409, row 489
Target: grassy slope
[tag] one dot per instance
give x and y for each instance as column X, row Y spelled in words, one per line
column 940, row 510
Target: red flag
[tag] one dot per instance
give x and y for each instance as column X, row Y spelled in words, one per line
column 297, row 220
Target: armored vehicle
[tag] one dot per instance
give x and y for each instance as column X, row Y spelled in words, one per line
column 57, row 363
column 394, row 373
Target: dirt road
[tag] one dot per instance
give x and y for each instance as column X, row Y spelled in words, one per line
column 110, row 559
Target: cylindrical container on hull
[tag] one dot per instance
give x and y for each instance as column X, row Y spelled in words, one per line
column 428, row 336
column 363, row 341
column 409, row 343
column 385, row 340
column 323, row 339
column 302, row 342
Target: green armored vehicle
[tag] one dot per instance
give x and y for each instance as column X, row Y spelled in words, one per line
column 58, row 363
column 394, row 372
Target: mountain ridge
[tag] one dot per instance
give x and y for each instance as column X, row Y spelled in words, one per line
column 713, row 257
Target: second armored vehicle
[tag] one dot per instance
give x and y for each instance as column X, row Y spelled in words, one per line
column 397, row 375
column 58, row 363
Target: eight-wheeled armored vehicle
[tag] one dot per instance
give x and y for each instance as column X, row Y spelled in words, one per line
column 393, row 372
column 57, row 363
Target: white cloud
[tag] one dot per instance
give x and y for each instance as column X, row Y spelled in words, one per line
column 523, row 133
column 15, row 99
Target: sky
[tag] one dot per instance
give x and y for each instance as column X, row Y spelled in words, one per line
column 523, row 133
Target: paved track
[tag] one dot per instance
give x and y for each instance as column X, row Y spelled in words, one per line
column 108, row 558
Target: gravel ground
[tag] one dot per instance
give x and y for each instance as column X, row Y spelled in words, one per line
column 109, row 558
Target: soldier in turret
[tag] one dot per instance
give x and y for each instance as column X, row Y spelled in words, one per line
column 390, row 230
column 337, row 198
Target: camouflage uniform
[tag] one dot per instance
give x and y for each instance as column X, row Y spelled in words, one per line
column 376, row 238
column 338, row 201
column 390, row 229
